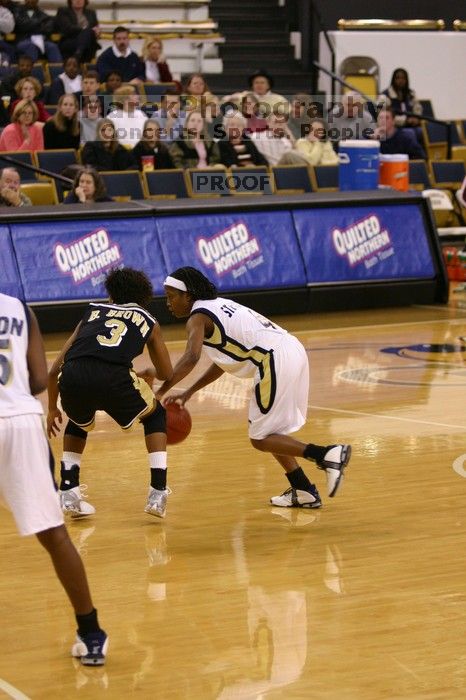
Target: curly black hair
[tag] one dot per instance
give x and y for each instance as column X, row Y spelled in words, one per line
column 126, row 286
column 198, row 286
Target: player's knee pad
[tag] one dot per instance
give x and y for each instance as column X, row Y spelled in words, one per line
column 156, row 422
column 75, row 430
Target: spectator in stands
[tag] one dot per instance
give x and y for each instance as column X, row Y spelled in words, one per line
column 302, row 110
column 197, row 96
column 261, row 85
column 401, row 99
column 89, row 116
column 29, row 89
column 120, row 57
column 79, row 30
column 170, row 117
column 89, row 87
column 4, row 116
column 24, row 133
column 314, row 147
column 62, row 130
column 24, row 70
column 10, row 189
column 66, row 83
column 129, row 120
column 156, row 68
column 88, row 187
column 350, row 120
column 236, row 147
column 195, row 149
column 250, row 110
column 149, row 153
column 275, row 142
column 106, row 153
column 7, row 25
column 33, row 26
column 395, row 140
column 113, row 81
column 461, row 195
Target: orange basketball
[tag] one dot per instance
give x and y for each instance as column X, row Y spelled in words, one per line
column 178, row 423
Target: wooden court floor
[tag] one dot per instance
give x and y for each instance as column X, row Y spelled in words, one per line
column 229, row 598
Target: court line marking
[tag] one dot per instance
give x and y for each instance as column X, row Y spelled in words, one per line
column 377, row 325
column 458, row 466
column 12, row 692
column 381, row 415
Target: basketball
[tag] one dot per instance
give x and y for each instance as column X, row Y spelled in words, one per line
column 178, row 423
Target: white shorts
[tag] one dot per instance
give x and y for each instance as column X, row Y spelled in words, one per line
column 26, row 483
column 289, row 409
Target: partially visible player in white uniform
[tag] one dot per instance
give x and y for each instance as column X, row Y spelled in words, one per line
column 240, row 341
column 27, row 486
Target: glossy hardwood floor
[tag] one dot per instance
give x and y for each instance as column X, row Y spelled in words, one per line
column 229, row 598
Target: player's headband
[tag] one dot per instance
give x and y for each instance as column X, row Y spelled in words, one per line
column 176, row 284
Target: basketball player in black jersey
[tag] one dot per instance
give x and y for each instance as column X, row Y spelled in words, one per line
column 94, row 372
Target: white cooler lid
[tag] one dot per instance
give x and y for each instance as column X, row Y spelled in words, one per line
column 353, row 143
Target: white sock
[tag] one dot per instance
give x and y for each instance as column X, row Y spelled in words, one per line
column 70, row 460
column 158, row 460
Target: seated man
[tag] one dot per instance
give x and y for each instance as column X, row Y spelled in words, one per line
column 33, row 28
column 394, row 140
column 120, row 57
column 10, row 192
column 350, row 120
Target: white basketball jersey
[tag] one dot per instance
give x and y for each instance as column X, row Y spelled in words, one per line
column 242, row 340
column 15, row 393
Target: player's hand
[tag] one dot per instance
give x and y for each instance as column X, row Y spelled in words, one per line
column 180, row 399
column 148, row 374
column 54, row 421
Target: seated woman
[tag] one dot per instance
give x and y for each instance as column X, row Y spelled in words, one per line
column 250, row 111
column 236, row 148
column 107, row 153
column 157, row 70
column 197, row 96
column 29, row 89
column 79, row 30
column 88, row 187
column 401, row 98
column 24, row 133
column 195, row 149
column 315, row 147
column 89, row 117
column 149, row 153
column 62, row 130
column 67, row 82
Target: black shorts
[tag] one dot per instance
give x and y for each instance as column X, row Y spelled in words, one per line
column 88, row 385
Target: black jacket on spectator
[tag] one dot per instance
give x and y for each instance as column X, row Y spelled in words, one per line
column 75, row 40
column 162, row 158
column 229, row 156
column 94, row 153
column 58, row 139
column 130, row 66
column 39, row 23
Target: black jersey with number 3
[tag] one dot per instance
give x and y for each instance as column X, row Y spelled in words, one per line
column 115, row 333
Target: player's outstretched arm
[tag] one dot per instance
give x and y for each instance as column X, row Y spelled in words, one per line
column 54, row 415
column 159, row 355
column 37, row 364
column 195, row 327
column 209, row 376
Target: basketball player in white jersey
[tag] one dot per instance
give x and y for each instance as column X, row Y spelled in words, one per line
column 27, row 486
column 240, row 341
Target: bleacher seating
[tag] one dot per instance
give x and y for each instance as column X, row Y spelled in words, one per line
column 292, row 179
column 41, row 193
column 124, row 184
column 324, row 178
column 27, row 157
column 165, row 184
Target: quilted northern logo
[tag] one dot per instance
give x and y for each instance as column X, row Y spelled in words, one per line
column 87, row 257
column 234, row 250
column 364, row 242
